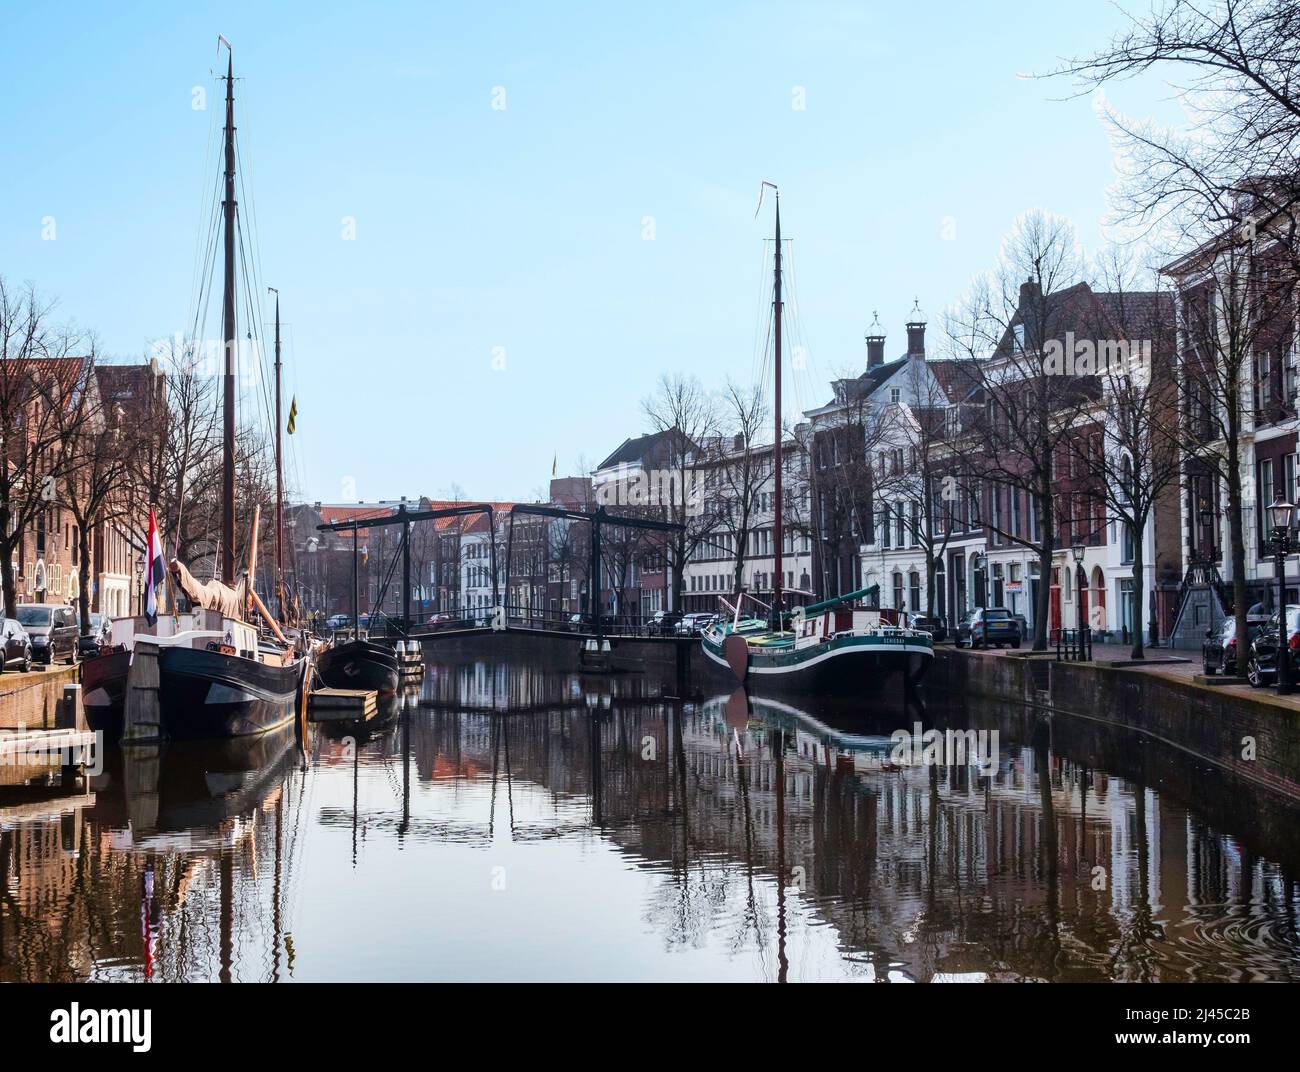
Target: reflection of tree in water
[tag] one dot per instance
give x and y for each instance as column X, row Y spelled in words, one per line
column 788, row 845
column 73, row 884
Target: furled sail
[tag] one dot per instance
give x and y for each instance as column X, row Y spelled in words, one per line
column 212, row 595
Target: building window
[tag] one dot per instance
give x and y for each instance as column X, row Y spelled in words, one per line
column 898, row 591
column 914, row 583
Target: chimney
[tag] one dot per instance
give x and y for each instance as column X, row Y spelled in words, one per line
column 916, row 331
column 1029, row 292
column 875, row 342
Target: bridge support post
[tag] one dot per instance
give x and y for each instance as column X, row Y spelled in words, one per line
column 406, row 568
column 593, row 586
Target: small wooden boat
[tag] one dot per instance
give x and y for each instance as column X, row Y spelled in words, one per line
column 359, row 664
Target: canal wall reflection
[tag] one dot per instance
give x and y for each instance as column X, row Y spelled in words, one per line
column 753, row 826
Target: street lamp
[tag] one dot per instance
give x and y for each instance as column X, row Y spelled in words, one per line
column 979, row 562
column 139, row 582
column 1282, row 513
column 1080, row 580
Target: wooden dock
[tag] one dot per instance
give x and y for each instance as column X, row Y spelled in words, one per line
column 342, row 705
column 32, row 754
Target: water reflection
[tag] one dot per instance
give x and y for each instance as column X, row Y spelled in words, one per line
column 507, row 823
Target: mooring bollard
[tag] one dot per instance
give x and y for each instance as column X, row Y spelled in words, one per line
column 69, row 713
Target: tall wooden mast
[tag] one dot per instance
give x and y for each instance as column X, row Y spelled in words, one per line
column 228, row 333
column 279, row 470
column 777, row 575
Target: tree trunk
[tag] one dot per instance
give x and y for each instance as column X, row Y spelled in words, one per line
column 8, row 582
column 83, row 571
column 1043, row 504
column 1138, row 534
column 1236, row 530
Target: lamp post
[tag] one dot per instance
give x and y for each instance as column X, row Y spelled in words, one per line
column 139, row 583
column 1282, row 513
column 1080, row 581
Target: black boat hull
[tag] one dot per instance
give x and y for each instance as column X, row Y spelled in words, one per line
column 103, row 688
column 208, row 695
column 359, row 664
column 848, row 672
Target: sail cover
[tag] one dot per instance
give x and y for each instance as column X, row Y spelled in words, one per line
column 212, row 595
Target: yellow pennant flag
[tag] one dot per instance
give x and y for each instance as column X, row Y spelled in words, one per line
column 293, row 415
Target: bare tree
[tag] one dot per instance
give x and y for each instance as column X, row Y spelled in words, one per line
column 1238, row 159
column 681, row 408
column 738, row 473
column 1028, row 409
column 1226, row 189
column 1139, row 459
column 91, row 485
column 41, row 372
column 918, row 480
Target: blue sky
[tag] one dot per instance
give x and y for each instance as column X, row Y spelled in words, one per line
column 517, row 234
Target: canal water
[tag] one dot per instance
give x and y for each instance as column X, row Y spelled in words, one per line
column 506, row 823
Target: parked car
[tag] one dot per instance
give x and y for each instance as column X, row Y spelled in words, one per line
column 439, row 621
column 933, row 625
column 1219, row 649
column 17, row 646
column 984, row 626
column 664, row 623
column 379, row 624
column 52, row 628
column 100, row 635
column 338, row 621
column 694, row 624
column 582, row 623
column 1261, row 661
column 1024, row 626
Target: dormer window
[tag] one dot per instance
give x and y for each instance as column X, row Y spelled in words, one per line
column 1018, row 334
column 895, row 394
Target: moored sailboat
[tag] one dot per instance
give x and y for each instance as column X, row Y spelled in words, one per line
column 828, row 648
column 210, row 674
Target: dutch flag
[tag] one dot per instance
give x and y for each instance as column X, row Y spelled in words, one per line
column 154, row 571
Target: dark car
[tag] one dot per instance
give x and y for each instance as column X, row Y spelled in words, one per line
column 664, row 623
column 53, row 630
column 932, row 625
column 89, row 644
column 1219, row 649
column 17, row 645
column 694, row 624
column 379, row 624
column 986, row 626
column 439, row 621
column 1261, row 663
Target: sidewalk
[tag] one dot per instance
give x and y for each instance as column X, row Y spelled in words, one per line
column 1170, row 662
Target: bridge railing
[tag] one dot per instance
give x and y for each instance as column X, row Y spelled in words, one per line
column 521, row 616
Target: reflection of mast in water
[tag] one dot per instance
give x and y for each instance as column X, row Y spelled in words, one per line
column 406, row 772
column 779, row 756
column 227, row 912
column 356, row 787
column 1042, row 760
column 277, row 918
column 150, row 915
column 742, row 782
column 500, row 731
column 597, row 780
